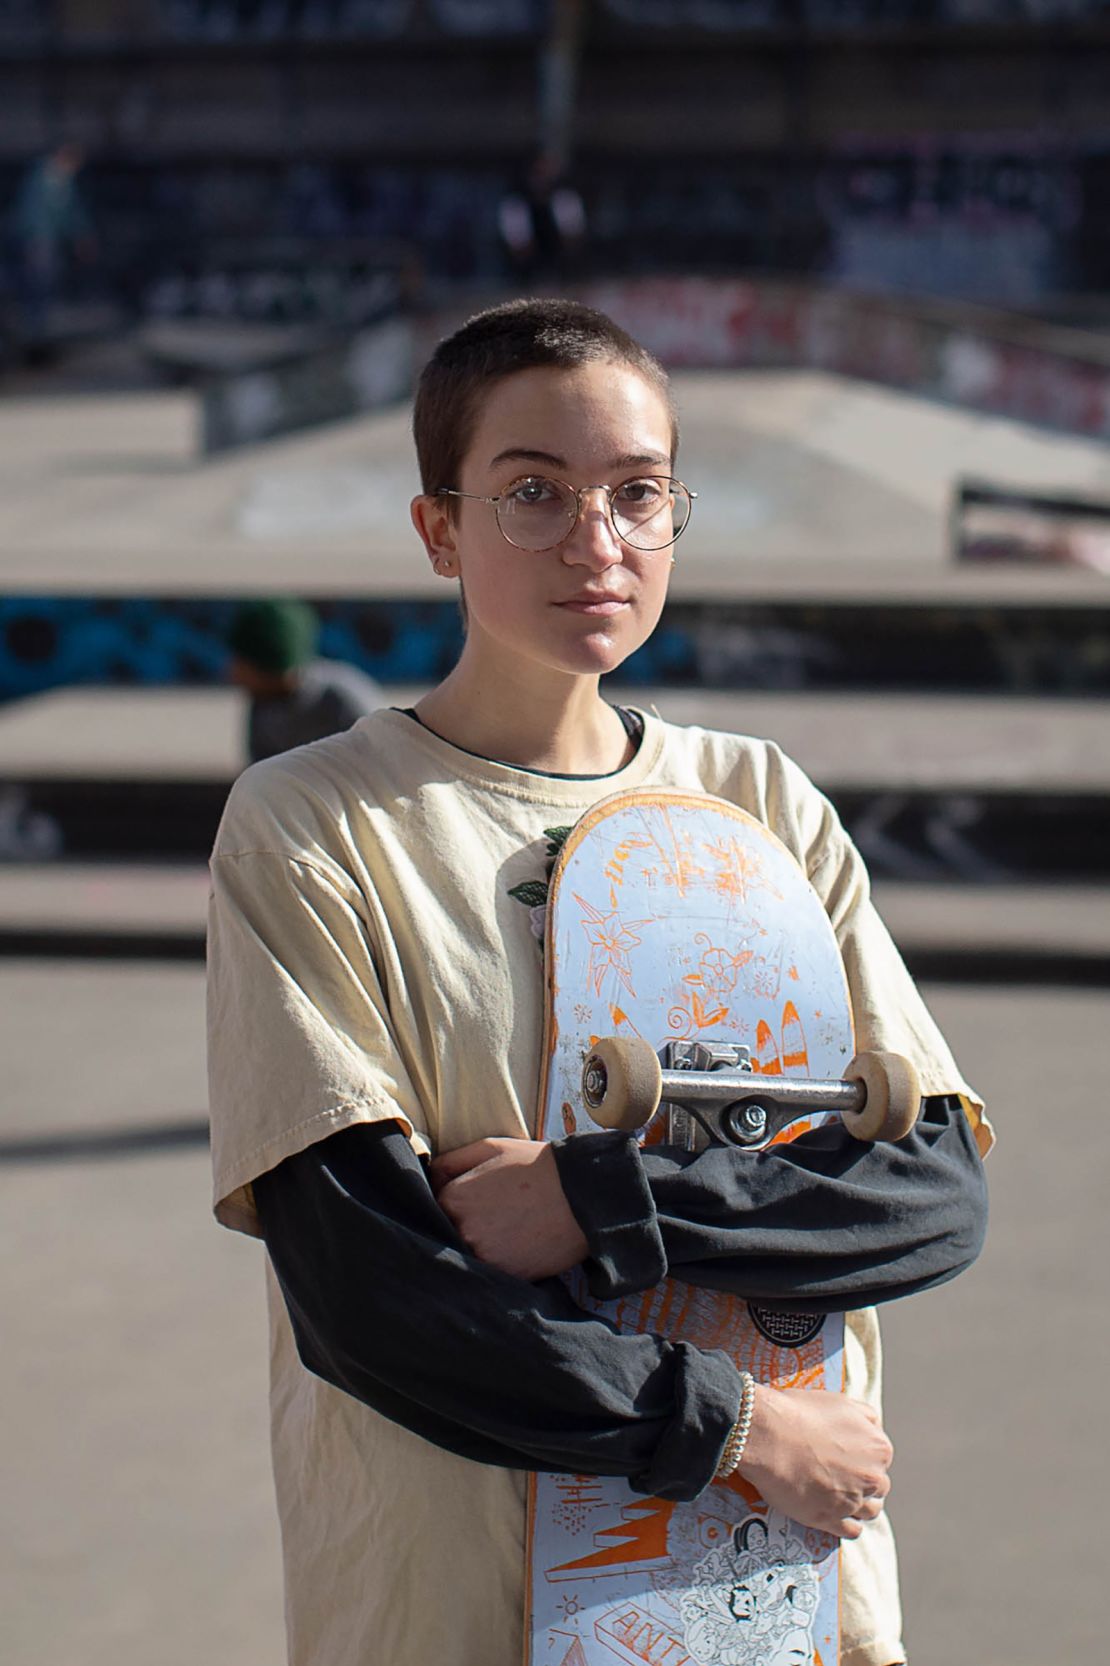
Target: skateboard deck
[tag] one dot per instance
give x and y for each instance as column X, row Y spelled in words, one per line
column 677, row 917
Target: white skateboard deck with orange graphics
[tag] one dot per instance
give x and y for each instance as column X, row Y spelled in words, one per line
column 677, row 917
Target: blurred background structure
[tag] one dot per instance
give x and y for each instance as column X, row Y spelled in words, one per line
column 299, row 162
column 872, row 237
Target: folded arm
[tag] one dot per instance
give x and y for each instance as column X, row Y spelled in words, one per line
column 387, row 1304
column 822, row 1223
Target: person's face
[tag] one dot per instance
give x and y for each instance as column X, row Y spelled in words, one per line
column 261, row 685
column 584, row 606
column 67, row 160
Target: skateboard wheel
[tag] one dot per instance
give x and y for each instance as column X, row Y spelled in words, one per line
column 893, row 1096
column 622, row 1083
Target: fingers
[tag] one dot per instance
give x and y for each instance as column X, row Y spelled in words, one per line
column 860, row 1508
column 886, row 1448
column 851, row 1526
column 875, row 1486
column 450, row 1164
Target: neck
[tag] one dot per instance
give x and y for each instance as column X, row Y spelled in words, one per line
column 556, row 722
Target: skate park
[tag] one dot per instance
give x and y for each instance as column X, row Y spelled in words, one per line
column 140, row 1479
column 954, row 710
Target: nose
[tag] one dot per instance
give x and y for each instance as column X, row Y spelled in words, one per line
column 593, row 540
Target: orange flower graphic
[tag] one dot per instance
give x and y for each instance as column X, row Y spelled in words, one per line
column 610, row 939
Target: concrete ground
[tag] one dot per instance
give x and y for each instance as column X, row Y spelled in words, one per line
column 138, row 1523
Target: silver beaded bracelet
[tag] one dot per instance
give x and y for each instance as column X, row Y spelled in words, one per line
column 733, row 1450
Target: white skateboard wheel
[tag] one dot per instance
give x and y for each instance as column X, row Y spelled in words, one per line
column 893, row 1096
column 622, row 1082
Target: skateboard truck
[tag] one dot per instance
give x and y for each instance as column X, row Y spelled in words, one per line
column 624, row 1085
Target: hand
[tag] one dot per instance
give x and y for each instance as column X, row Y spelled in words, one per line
column 506, row 1201
column 820, row 1458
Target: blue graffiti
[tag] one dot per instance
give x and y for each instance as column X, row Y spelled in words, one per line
column 55, row 641
column 49, row 642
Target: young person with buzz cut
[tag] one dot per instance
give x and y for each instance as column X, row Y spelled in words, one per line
column 376, row 1019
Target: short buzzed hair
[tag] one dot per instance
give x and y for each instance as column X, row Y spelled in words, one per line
column 518, row 335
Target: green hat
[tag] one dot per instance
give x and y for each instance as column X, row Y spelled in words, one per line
column 277, row 634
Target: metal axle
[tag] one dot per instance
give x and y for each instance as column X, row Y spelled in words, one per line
column 723, row 1087
column 740, row 1108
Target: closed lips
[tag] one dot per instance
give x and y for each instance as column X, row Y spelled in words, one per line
column 603, row 601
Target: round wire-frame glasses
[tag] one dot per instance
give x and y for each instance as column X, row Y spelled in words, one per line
column 537, row 513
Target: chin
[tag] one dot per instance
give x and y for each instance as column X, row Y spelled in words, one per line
column 591, row 662
column 600, row 651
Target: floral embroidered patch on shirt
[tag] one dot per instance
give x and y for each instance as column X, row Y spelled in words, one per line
column 533, row 893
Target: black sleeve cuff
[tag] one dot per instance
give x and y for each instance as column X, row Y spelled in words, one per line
column 709, row 1395
column 609, row 1197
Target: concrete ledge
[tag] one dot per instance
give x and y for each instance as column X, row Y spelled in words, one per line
column 810, row 483
column 965, row 835
column 173, row 898
column 1007, row 934
column 892, row 741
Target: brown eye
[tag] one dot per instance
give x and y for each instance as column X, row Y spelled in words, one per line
column 534, row 490
column 641, row 494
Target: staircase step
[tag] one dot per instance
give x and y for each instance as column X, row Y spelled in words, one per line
column 947, row 742
column 1013, row 933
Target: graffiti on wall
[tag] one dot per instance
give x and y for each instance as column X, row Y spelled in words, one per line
column 54, row 641
column 729, row 16
column 984, row 219
column 994, row 364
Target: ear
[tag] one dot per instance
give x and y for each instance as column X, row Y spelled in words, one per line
column 432, row 520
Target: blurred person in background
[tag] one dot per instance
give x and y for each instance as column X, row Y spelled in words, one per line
column 48, row 222
column 295, row 696
column 542, row 224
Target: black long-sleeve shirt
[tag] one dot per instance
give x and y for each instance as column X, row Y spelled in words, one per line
column 387, row 1303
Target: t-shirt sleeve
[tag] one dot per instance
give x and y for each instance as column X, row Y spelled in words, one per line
column 889, row 1012
column 300, row 1042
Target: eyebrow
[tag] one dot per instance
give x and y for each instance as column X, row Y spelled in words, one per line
column 522, row 454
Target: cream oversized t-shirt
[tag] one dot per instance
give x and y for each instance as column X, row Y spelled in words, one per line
column 368, row 961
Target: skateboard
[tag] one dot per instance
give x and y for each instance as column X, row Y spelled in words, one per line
column 695, row 993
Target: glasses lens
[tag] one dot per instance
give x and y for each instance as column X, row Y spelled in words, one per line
column 650, row 513
column 536, row 513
